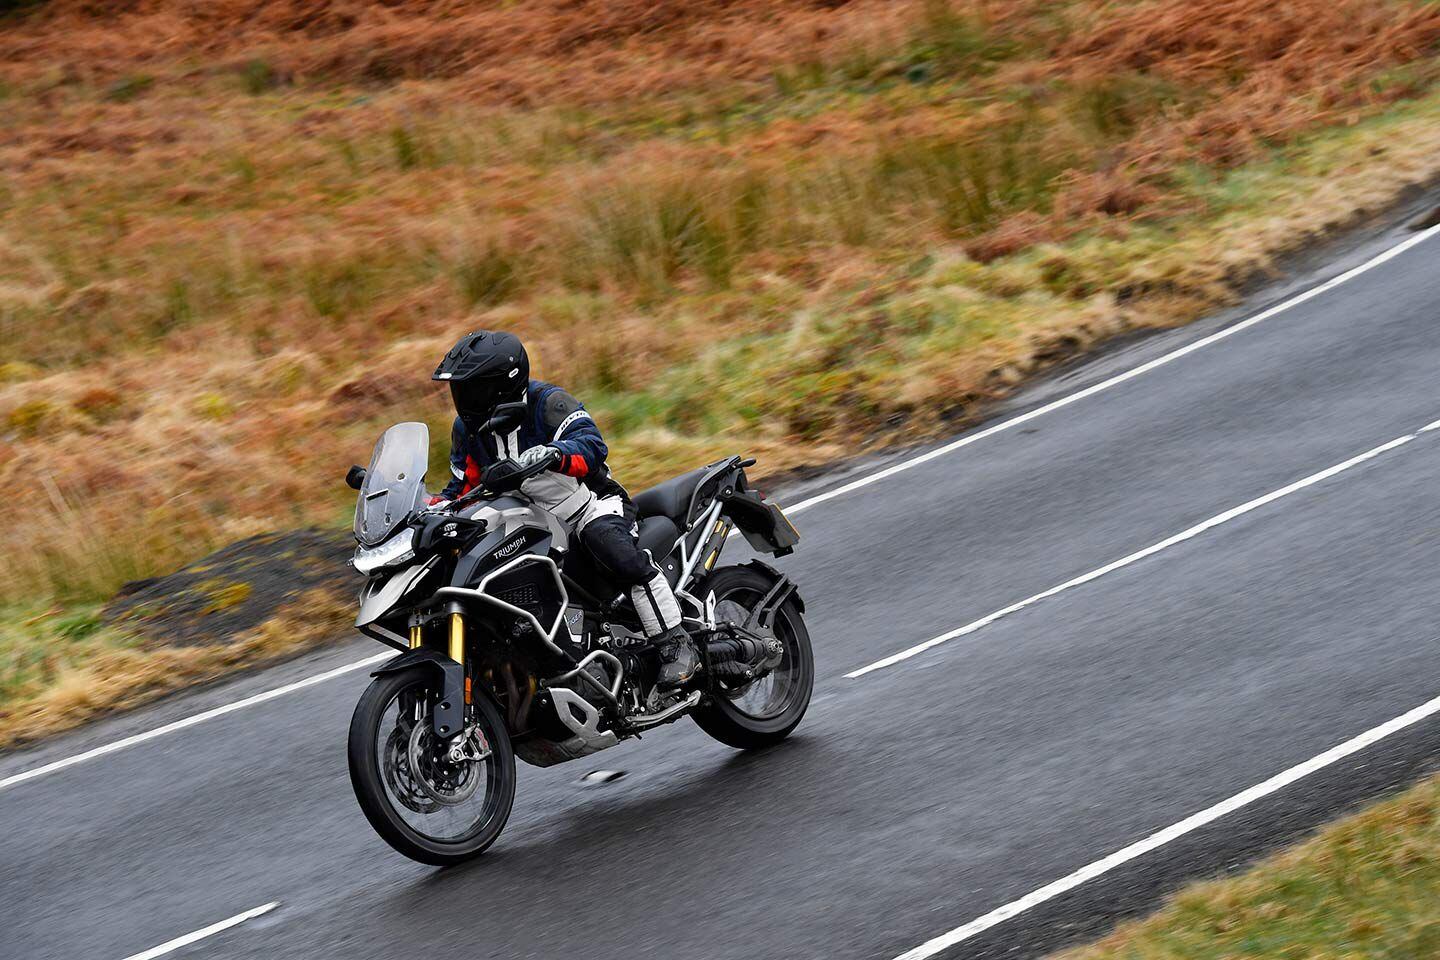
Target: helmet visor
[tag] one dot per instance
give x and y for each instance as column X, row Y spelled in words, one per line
column 476, row 398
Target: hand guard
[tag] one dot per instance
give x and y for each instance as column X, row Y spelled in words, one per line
column 502, row 476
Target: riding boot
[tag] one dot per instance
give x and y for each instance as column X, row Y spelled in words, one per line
column 660, row 616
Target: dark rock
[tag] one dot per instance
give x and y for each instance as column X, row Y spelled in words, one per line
column 223, row 597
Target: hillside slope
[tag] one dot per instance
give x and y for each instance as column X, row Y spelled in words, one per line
column 234, row 237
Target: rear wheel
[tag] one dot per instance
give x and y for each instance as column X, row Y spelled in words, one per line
column 764, row 711
column 428, row 806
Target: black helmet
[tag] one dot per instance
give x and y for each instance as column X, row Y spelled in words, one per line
column 484, row 370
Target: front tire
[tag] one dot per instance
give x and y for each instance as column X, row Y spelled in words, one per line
column 390, row 726
column 764, row 712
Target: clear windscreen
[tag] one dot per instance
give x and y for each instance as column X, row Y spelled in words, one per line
column 394, row 483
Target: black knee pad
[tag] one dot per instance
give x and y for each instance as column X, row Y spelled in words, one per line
column 617, row 552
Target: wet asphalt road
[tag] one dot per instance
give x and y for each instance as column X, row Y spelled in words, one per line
column 914, row 798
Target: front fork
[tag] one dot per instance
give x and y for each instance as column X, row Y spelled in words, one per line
column 448, row 714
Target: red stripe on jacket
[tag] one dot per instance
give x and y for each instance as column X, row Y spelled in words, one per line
column 574, row 465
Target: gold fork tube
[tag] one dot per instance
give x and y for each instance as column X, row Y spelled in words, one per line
column 416, row 639
column 457, row 638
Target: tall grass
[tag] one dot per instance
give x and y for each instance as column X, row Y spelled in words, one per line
column 645, row 230
column 710, row 259
column 77, row 553
column 487, row 271
column 943, row 41
column 653, row 227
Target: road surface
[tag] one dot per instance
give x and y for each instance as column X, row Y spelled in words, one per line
column 919, row 795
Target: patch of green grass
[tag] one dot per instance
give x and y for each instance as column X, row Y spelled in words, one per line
column 213, row 406
column 955, row 41
column 645, row 231
column 971, row 183
column 257, row 77
column 129, row 87
column 410, row 151
column 1365, row 888
column 944, row 42
column 36, row 645
column 1113, row 106
column 223, row 595
column 487, row 273
column 339, row 288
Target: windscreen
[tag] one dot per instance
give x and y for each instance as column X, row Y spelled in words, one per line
column 395, row 482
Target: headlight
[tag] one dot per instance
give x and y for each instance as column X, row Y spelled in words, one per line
column 397, row 549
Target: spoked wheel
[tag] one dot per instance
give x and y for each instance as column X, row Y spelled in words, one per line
column 763, row 711
column 432, row 806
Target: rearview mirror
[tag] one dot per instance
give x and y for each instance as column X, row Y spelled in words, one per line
column 507, row 417
column 355, row 477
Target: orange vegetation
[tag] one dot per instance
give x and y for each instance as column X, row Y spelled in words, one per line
column 234, row 236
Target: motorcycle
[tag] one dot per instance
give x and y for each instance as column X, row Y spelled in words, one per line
column 514, row 645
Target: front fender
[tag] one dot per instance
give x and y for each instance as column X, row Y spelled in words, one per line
column 448, row 716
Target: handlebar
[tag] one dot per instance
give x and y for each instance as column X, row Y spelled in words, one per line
column 483, row 492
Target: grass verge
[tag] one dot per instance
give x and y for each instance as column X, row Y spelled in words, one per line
column 1365, row 888
column 62, row 668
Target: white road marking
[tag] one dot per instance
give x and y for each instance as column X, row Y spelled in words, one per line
column 1118, row 379
column 1138, row 555
column 809, row 502
column 214, row 928
column 190, row 721
column 1173, row 832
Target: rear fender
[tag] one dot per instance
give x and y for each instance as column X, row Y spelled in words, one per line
column 449, row 713
column 782, row 589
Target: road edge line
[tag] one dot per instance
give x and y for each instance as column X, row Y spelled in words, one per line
column 1173, row 832
column 184, row 941
column 190, row 721
column 1303, row 297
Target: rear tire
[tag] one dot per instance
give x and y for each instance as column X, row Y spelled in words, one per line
column 727, row 719
column 369, row 727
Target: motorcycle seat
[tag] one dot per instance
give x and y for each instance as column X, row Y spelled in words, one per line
column 672, row 498
column 658, row 535
column 587, row 582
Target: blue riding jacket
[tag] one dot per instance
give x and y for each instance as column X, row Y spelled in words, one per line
column 552, row 417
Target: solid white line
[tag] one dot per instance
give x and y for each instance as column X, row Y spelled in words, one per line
column 1118, row 379
column 191, row 721
column 210, row 931
column 1173, row 832
column 1138, row 555
column 850, row 487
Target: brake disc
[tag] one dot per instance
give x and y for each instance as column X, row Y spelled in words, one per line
column 443, row 781
column 398, row 774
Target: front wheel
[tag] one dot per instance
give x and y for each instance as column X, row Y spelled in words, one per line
column 764, row 711
column 428, row 806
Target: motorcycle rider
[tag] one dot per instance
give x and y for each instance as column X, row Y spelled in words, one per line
column 505, row 422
